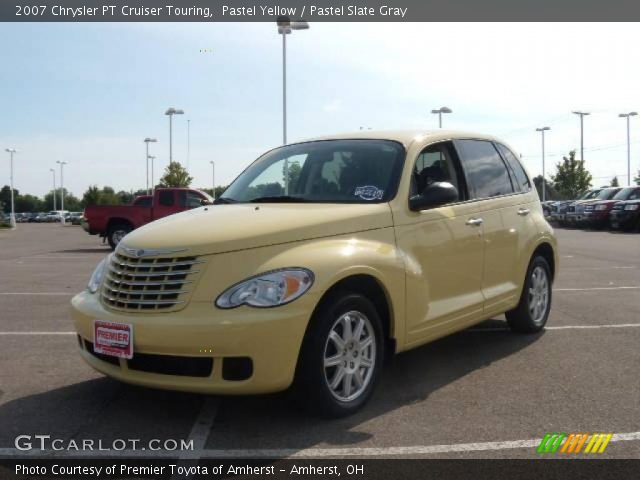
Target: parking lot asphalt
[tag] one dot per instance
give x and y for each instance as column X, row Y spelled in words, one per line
column 481, row 393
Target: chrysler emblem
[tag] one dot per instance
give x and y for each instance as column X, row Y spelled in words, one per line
column 149, row 252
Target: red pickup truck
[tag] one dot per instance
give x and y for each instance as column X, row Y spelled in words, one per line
column 113, row 222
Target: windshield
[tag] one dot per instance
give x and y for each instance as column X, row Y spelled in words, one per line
column 607, row 193
column 590, row 194
column 625, row 193
column 328, row 171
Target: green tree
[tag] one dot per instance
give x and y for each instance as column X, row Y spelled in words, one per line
column 175, row 175
column 637, row 179
column 294, row 174
column 572, row 178
column 124, row 197
column 5, row 198
column 219, row 190
column 108, row 196
column 550, row 190
column 28, row 203
column 91, row 196
column 615, row 182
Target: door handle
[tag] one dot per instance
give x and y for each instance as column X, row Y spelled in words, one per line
column 523, row 212
column 475, row 222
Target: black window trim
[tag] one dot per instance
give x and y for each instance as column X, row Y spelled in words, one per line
column 510, row 168
column 463, row 189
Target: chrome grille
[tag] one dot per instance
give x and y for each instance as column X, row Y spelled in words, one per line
column 143, row 284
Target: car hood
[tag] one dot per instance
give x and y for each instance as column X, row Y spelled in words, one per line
column 226, row 228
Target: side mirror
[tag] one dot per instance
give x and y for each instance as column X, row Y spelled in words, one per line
column 434, row 195
column 204, row 202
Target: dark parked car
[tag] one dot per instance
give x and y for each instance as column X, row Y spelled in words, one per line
column 626, row 215
column 597, row 213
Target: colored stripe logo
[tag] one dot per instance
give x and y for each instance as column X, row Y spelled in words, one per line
column 573, row 443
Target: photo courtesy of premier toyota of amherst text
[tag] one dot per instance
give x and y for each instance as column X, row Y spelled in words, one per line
column 317, row 240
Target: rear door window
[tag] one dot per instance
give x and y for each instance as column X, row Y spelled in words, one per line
column 486, row 173
column 165, row 198
column 190, row 199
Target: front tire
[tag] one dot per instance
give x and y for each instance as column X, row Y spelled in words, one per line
column 116, row 233
column 531, row 314
column 342, row 355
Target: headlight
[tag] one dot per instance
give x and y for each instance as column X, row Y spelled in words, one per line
column 601, row 207
column 98, row 275
column 633, row 206
column 269, row 289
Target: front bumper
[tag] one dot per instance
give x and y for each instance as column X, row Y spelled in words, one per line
column 624, row 218
column 596, row 218
column 271, row 338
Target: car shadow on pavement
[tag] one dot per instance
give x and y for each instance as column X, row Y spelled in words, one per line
column 104, row 249
column 106, row 409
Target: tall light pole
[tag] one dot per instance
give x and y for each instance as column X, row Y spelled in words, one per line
column 582, row 115
column 171, row 112
column 53, row 171
column 147, row 141
column 188, row 141
column 285, row 27
column 440, row 111
column 62, row 164
column 628, row 117
column 213, row 178
column 12, row 218
column 544, row 188
column 153, row 181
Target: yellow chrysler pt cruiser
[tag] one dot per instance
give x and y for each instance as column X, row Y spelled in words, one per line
column 319, row 260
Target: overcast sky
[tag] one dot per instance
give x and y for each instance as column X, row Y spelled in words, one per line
column 88, row 94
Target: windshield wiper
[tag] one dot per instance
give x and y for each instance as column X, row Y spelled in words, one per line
column 279, row 199
column 220, row 200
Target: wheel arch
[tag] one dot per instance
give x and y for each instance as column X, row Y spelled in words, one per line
column 117, row 220
column 548, row 252
column 372, row 288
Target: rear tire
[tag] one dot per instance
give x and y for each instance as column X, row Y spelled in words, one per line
column 531, row 314
column 341, row 356
column 116, row 233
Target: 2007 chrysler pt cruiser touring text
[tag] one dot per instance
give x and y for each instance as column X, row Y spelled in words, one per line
column 319, row 260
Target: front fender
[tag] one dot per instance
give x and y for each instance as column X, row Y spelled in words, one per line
column 331, row 259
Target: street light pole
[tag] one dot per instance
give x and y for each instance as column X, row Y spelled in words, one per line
column 544, row 188
column 147, row 141
column 213, row 179
column 62, row 164
column 440, row 111
column 285, row 27
column 12, row 218
column 53, row 171
column 628, row 117
column 582, row 115
column 171, row 112
column 188, row 142
column 153, row 186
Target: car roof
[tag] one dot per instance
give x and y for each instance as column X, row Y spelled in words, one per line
column 406, row 137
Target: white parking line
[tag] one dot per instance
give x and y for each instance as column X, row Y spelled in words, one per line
column 310, row 452
column 202, row 427
column 199, row 433
column 480, row 329
column 633, row 287
column 37, row 333
column 69, row 294
column 560, row 327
